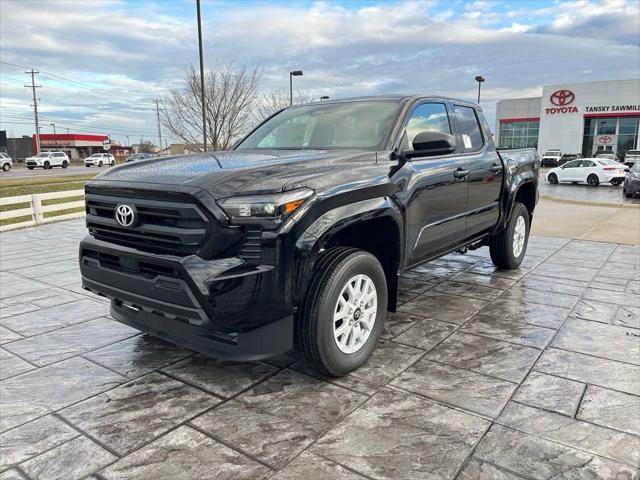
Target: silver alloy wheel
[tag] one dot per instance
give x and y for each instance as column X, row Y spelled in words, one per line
column 519, row 235
column 355, row 314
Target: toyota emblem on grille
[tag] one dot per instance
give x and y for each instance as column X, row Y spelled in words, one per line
column 126, row 215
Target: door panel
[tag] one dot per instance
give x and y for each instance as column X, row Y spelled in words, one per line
column 436, row 188
column 485, row 171
column 436, row 208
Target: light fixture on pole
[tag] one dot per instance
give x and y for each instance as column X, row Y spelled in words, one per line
column 479, row 79
column 54, row 127
column 324, row 97
column 294, row 73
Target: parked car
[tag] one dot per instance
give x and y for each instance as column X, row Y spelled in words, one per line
column 46, row 160
column 139, row 156
column 631, row 157
column 550, row 158
column 6, row 161
column 100, row 159
column 609, row 155
column 631, row 185
column 592, row 171
column 299, row 235
column 567, row 157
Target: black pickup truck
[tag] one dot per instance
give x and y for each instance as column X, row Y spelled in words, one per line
column 296, row 238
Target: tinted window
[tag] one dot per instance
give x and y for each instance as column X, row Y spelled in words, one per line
column 588, row 163
column 325, row 126
column 59, row 154
column 574, row 164
column 426, row 117
column 469, row 134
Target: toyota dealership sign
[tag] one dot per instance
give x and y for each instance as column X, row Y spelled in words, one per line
column 562, row 99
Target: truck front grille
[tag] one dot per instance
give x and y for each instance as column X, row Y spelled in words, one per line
column 177, row 226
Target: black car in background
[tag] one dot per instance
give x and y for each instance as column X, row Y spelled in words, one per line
column 139, row 156
column 631, row 184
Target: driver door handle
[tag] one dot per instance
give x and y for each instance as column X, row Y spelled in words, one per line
column 495, row 168
column 460, row 173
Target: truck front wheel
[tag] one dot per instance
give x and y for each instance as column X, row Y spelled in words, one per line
column 343, row 314
column 508, row 247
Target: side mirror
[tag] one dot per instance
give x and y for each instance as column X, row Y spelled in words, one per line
column 429, row 144
column 627, row 169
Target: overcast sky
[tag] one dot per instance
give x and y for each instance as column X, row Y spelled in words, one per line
column 103, row 62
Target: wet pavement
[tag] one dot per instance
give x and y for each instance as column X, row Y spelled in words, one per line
column 603, row 193
column 482, row 374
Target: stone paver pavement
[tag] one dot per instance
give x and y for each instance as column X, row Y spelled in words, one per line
column 482, row 374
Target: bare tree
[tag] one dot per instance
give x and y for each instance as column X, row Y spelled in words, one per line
column 272, row 102
column 146, row 147
column 230, row 95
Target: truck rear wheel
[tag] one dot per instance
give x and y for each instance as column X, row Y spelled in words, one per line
column 508, row 247
column 343, row 314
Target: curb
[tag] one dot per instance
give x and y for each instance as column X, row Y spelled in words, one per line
column 588, row 202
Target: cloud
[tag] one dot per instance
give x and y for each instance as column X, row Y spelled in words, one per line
column 130, row 52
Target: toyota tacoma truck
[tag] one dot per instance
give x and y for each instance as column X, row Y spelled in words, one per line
column 296, row 238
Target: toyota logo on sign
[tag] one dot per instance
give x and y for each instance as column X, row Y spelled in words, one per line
column 562, row 97
column 126, row 215
column 605, row 139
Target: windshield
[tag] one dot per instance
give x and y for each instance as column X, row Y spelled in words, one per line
column 552, row 153
column 636, row 167
column 339, row 125
column 633, row 152
column 43, row 155
column 96, row 155
column 607, row 161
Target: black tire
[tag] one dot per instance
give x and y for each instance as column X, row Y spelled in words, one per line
column 87, row 165
column 593, row 180
column 100, row 163
column 6, row 167
column 65, row 164
column 30, row 168
column 501, row 244
column 112, row 163
column 616, row 182
column 46, row 165
column 314, row 327
column 552, row 178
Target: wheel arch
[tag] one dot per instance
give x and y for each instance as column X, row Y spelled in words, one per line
column 374, row 225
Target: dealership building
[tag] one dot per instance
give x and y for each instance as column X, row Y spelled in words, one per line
column 574, row 117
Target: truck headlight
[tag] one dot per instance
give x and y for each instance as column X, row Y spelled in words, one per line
column 267, row 210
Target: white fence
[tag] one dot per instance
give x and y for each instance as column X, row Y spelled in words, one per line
column 37, row 210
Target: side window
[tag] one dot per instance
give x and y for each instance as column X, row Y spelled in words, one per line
column 573, row 164
column 469, row 133
column 588, row 163
column 426, row 117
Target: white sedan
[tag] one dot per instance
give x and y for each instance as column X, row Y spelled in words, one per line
column 592, row 171
column 100, row 159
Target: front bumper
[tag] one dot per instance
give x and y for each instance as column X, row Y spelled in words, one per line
column 219, row 307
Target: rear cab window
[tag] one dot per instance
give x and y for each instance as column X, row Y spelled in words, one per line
column 468, row 131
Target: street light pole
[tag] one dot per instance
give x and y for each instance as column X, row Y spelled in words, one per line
column 204, row 118
column 479, row 79
column 54, row 127
column 294, row 73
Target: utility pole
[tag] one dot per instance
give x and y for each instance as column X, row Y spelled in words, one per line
column 204, row 116
column 33, row 87
column 158, row 118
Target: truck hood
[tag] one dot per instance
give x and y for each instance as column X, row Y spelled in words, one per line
column 228, row 173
